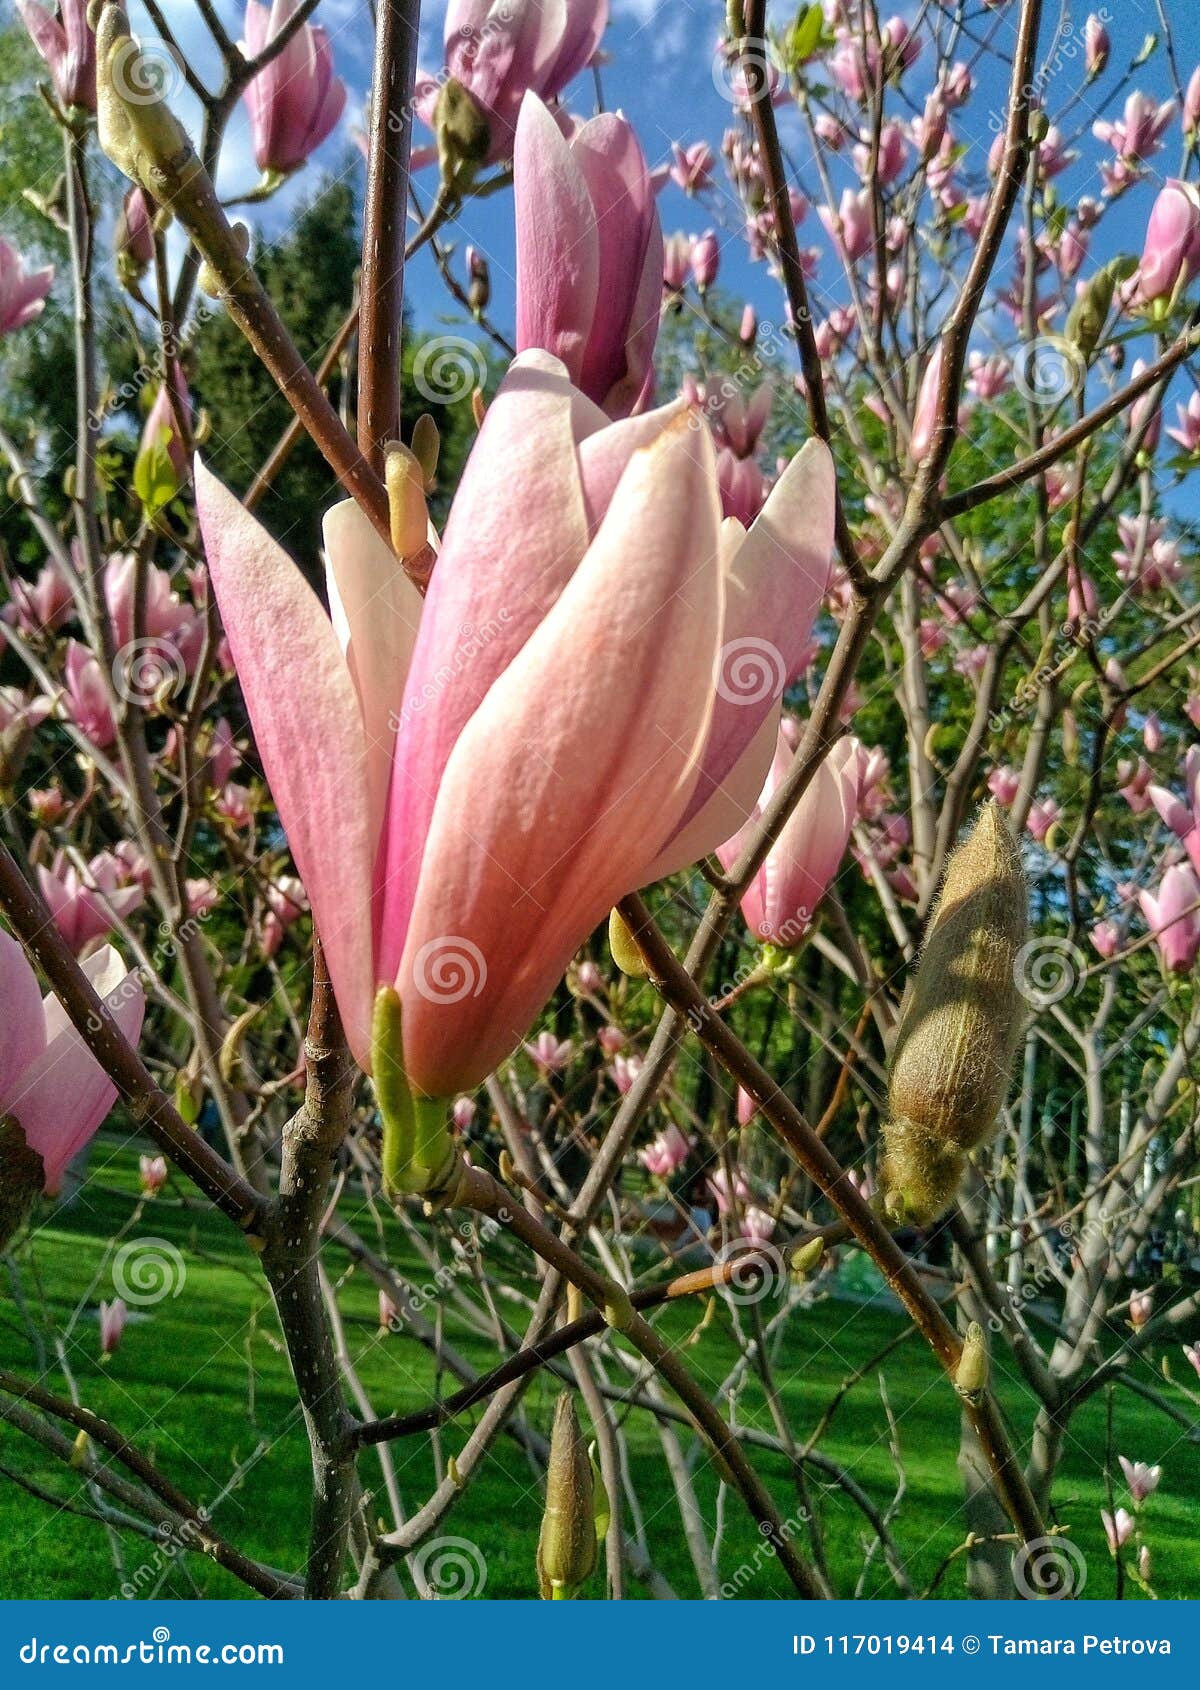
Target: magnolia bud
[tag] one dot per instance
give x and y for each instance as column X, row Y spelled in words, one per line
column 22, row 1176
column 952, row 1059
column 463, row 137
column 566, row 1552
column 479, row 290
column 626, row 952
column 971, row 1374
column 426, row 447
column 405, row 481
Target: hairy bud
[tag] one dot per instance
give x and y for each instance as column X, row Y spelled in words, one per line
column 971, row 1374
column 566, row 1552
column 952, row 1060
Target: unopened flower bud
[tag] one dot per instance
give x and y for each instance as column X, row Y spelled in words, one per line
column 566, row 1552
column 807, row 1258
column 971, row 1374
column 134, row 238
column 626, row 952
column 426, row 446
column 952, row 1059
column 463, row 137
column 479, row 289
column 405, row 481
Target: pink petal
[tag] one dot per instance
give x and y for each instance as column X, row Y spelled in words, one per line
column 65, row 1094
column 516, row 532
column 22, row 1030
column 309, row 735
column 558, row 246
column 568, row 778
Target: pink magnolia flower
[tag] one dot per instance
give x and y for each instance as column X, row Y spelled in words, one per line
column 87, row 696
column 61, row 35
column 589, row 253
column 1106, row 937
column 781, row 900
column 50, row 1083
column 86, row 911
column 742, row 485
column 719, row 1186
column 704, row 257
column 747, row 1109
column 43, row 605
column 988, row 377
column 463, row 1113
column 1187, row 431
column 757, row 1224
column 1171, row 255
column 925, row 415
column 389, row 1313
column 112, row 1324
column 611, row 1040
column 851, row 223
column 1152, row 733
column 1192, row 1352
column 46, row 803
column 1118, row 1528
column 1096, row 45
column 1142, row 1480
column 1173, row 920
column 133, row 240
column 1137, row 134
column 1043, row 813
column 202, row 896
column 625, row 1070
column 594, row 744
column 165, row 617
column 1135, row 780
column 550, row 1053
column 295, row 101
column 676, row 258
column 172, row 408
column 1191, row 104
column 692, row 167
column 19, row 716
column 590, row 979
column 152, row 1174
column 498, row 54
column 22, row 292
column 666, row 1153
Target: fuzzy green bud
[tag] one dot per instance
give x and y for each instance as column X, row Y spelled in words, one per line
column 418, row 1152
column 971, row 1374
column 566, row 1552
column 952, row 1060
column 464, row 138
column 626, row 952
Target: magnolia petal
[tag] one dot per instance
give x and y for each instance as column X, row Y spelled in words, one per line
column 65, row 1094
column 558, row 246
column 568, row 778
column 309, row 734
column 376, row 612
column 516, row 533
column 727, row 809
column 22, row 1030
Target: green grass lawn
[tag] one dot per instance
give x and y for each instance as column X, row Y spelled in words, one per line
column 201, row 1383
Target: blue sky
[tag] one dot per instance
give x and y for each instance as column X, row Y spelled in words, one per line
column 663, row 73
